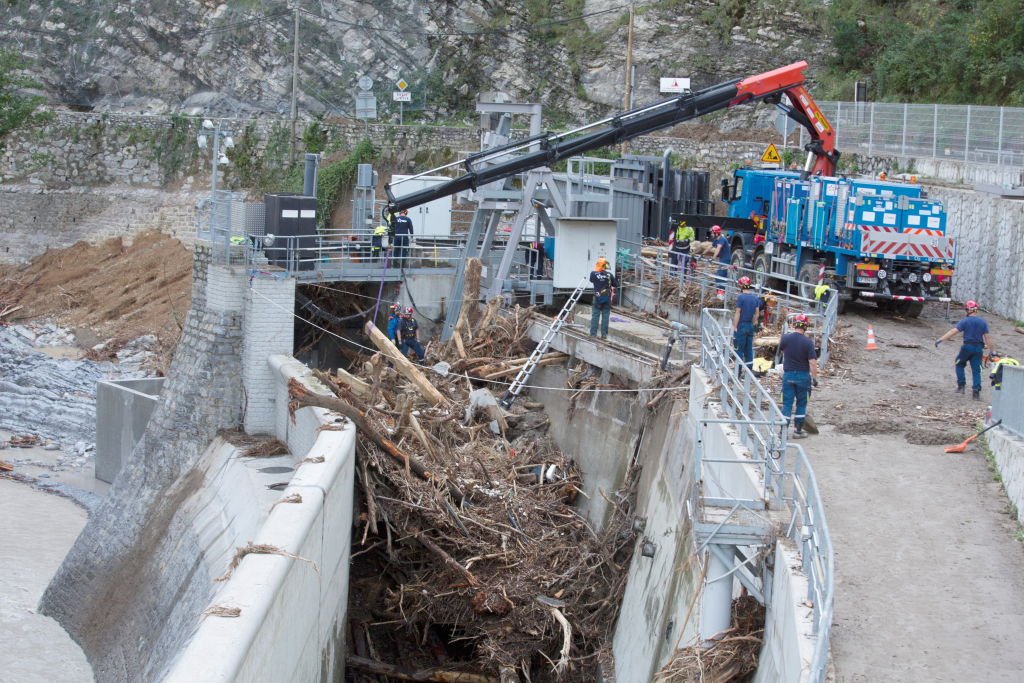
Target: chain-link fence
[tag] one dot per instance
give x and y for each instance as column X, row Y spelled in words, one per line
column 987, row 135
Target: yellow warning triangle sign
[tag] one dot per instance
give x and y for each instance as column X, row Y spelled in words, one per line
column 771, row 155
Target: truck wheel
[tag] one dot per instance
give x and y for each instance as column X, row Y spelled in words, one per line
column 909, row 309
column 808, row 277
column 737, row 261
column 762, row 266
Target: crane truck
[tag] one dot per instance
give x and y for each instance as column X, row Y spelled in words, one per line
column 871, row 240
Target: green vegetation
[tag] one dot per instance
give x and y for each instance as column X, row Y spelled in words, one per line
column 338, row 176
column 956, row 51
column 17, row 108
column 174, row 149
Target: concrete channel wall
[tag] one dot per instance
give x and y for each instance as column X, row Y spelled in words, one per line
column 292, row 622
column 1007, row 441
column 787, row 651
column 123, row 408
column 662, row 608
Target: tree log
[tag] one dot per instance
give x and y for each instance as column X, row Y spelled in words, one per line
column 358, row 387
column 422, row 384
column 403, row 674
column 448, row 560
column 303, row 397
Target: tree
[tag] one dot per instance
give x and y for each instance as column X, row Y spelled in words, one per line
column 17, row 107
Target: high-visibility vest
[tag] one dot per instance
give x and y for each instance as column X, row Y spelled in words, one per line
column 996, row 374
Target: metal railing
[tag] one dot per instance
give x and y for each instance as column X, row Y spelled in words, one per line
column 788, row 477
column 747, row 405
column 988, row 135
column 823, row 313
column 809, row 530
column 347, row 250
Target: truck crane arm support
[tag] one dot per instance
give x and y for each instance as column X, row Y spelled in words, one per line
column 549, row 148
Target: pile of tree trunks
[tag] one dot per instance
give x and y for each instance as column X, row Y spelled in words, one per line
column 466, row 513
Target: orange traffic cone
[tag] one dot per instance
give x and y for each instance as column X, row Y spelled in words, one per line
column 871, row 340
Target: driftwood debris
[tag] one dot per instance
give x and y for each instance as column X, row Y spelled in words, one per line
column 301, row 397
column 463, row 525
column 422, row 384
column 403, row 674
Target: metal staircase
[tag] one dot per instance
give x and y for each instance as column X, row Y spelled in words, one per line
column 531, row 363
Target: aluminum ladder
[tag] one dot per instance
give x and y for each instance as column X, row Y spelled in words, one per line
column 531, row 363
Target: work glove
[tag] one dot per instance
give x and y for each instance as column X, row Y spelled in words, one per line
column 757, row 328
column 937, row 342
column 814, row 381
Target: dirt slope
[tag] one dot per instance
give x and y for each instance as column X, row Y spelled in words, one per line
column 929, row 575
column 108, row 290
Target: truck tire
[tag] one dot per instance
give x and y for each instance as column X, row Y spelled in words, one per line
column 738, row 260
column 762, row 266
column 808, row 278
column 908, row 309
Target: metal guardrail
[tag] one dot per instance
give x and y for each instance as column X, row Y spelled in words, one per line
column 749, row 408
column 788, row 477
column 823, row 313
column 809, row 529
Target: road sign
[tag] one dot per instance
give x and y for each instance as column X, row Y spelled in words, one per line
column 784, row 124
column 366, row 105
column 771, row 155
column 401, row 84
column 675, row 84
column 402, row 96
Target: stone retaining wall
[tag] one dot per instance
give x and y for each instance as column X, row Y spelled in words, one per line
column 131, row 587
column 989, row 234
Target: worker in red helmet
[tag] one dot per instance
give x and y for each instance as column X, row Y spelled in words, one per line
column 408, row 335
column 723, row 253
column 746, row 319
column 799, row 372
column 976, row 342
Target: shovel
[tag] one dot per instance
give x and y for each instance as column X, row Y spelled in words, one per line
column 961, row 447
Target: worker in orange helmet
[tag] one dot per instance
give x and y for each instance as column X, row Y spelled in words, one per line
column 604, row 282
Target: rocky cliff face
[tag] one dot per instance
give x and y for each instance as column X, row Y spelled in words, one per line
column 194, row 56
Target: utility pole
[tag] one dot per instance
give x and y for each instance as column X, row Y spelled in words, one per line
column 629, row 70
column 295, row 77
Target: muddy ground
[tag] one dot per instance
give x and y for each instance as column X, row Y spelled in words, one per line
column 106, row 291
column 930, row 576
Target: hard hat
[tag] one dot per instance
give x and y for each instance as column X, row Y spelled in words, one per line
column 408, row 310
column 971, row 305
column 601, row 263
column 396, row 307
column 744, row 282
column 715, row 229
column 682, row 222
column 800, row 320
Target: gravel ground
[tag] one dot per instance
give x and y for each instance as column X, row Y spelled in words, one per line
column 930, row 578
